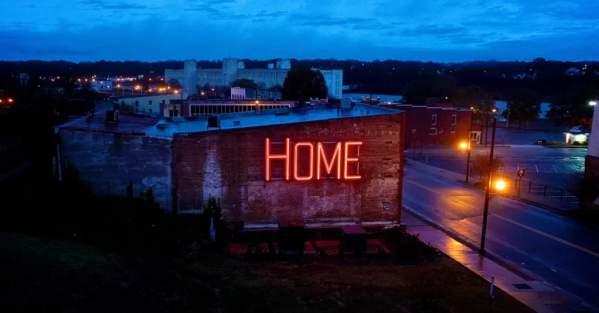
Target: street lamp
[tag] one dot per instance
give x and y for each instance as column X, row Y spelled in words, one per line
column 499, row 186
column 464, row 145
column 593, row 103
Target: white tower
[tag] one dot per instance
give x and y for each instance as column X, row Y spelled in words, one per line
column 190, row 74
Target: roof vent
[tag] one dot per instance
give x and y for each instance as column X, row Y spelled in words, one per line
column 112, row 116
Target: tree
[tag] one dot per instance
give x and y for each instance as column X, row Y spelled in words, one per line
column 429, row 86
column 572, row 108
column 244, row 83
column 473, row 96
column 523, row 106
column 303, row 83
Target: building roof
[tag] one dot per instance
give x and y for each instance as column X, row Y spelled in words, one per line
column 161, row 128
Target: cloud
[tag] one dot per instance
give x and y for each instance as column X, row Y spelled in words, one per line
column 111, row 5
column 443, row 30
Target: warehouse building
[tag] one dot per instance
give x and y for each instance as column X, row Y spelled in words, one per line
column 319, row 164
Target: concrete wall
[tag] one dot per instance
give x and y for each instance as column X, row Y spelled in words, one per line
column 229, row 165
column 109, row 161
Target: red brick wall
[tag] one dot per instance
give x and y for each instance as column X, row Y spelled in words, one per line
column 229, row 165
column 420, row 130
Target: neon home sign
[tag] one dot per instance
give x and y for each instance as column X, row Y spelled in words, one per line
column 305, row 160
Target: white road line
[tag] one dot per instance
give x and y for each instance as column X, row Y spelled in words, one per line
column 542, row 233
column 534, row 230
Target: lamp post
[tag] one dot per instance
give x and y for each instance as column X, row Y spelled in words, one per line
column 500, row 185
column 465, row 146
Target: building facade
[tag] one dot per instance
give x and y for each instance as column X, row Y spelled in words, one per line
column 190, row 77
column 435, row 125
column 197, row 108
column 317, row 165
column 146, row 104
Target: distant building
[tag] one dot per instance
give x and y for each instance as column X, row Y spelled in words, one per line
column 238, row 93
column 147, row 104
column 191, row 77
column 437, row 125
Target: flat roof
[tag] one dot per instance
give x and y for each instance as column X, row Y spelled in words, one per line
column 162, row 128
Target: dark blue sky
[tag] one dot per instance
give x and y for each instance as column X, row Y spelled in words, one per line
column 441, row 30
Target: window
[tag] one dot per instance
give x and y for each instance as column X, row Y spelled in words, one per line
column 136, row 103
column 149, row 102
column 434, row 119
column 432, row 131
column 454, row 119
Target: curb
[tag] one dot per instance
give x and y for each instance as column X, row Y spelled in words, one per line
column 525, row 274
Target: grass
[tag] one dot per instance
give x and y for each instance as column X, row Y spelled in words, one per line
column 72, row 277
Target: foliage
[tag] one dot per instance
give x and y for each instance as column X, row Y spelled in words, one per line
column 480, row 164
column 244, row 83
column 472, row 96
column 419, row 90
column 571, row 107
column 303, row 83
column 523, row 106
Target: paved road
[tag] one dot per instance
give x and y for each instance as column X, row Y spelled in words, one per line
column 562, row 167
column 558, row 249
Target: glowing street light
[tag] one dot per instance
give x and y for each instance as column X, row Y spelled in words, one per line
column 464, row 145
column 593, row 103
column 500, row 184
column 11, row 100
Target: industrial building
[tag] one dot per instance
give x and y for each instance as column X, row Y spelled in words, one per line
column 191, row 77
column 320, row 164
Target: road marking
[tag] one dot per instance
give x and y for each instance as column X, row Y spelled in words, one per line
column 542, row 233
column 534, row 230
column 422, row 186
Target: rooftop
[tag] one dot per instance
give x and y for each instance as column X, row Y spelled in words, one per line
column 161, row 128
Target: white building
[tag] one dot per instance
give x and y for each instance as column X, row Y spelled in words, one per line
column 149, row 104
column 190, row 77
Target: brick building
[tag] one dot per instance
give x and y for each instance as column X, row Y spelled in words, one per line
column 320, row 164
column 437, row 125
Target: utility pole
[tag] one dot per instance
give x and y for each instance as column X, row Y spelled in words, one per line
column 488, row 190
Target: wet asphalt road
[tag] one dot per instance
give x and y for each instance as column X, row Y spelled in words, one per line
column 560, row 167
column 558, row 249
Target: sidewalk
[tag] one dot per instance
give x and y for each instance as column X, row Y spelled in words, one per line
column 524, row 287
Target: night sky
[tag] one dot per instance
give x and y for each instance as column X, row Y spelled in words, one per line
column 443, row 30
